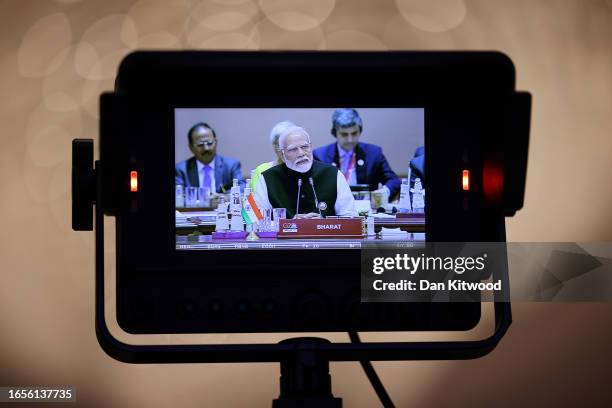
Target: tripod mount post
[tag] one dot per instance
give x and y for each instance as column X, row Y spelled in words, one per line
column 305, row 380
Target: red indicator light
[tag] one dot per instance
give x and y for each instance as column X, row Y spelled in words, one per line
column 466, row 180
column 133, row 181
column 493, row 180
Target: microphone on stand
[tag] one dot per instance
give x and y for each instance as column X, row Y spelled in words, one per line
column 297, row 207
column 315, row 195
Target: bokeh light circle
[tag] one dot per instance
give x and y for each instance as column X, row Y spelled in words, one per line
column 231, row 41
column 43, row 42
column 200, row 36
column 48, row 147
column 159, row 40
column 48, row 137
column 297, row 15
column 62, row 89
column 154, row 32
column 272, row 37
column 103, row 46
column 90, row 95
column 224, row 16
column 352, row 40
column 60, row 183
column 433, row 16
column 49, row 134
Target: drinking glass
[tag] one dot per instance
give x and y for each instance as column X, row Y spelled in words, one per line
column 266, row 222
column 191, row 197
column 278, row 214
column 203, row 197
column 179, row 196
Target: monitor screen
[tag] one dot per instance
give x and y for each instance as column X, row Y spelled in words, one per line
column 298, row 178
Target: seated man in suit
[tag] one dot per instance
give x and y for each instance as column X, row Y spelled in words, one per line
column 207, row 168
column 417, row 166
column 360, row 163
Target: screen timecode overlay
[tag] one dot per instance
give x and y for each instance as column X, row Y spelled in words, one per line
column 37, row 394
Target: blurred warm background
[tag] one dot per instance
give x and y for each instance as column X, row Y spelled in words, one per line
column 57, row 56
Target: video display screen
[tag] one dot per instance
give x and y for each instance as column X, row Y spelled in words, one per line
column 298, row 178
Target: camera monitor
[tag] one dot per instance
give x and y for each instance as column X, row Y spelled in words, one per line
column 374, row 166
column 245, row 186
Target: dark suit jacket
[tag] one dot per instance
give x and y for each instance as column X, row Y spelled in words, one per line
column 375, row 168
column 417, row 167
column 419, row 151
column 226, row 169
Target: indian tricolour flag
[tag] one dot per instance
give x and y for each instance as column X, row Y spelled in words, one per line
column 250, row 211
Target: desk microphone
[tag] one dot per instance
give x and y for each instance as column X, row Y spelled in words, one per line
column 297, row 207
column 315, row 195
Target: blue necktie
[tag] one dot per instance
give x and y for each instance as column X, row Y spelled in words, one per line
column 207, row 180
column 346, row 161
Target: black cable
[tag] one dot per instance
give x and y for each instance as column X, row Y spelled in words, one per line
column 368, row 368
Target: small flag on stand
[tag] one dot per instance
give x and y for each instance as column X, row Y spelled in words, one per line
column 250, row 211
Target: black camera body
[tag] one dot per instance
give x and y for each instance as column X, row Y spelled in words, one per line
column 474, row 120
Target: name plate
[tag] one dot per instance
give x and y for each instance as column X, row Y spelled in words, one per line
column 321, row 228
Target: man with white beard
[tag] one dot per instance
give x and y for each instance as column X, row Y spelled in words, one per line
column 300, row 183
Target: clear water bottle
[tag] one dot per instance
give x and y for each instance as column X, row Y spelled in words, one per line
column 221, row 222
column 236, row 223
column 418, row 197
column 180, row 197
column 404, row 203
column 370, row 226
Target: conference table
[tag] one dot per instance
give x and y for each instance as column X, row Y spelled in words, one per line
column 194, row 229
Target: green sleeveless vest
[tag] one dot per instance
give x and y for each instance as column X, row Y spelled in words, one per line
column 282, row 184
